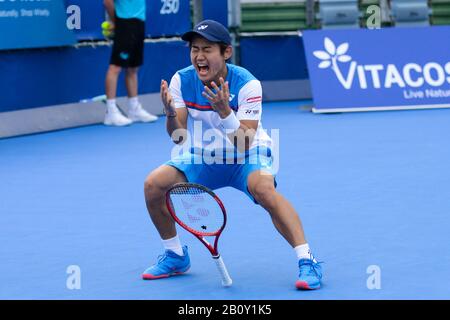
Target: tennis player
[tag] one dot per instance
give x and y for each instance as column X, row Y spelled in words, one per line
column 227, row 99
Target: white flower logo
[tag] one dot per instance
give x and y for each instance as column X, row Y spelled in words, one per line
column 332, row 56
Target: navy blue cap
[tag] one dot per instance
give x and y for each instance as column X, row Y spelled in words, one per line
column 210, row 30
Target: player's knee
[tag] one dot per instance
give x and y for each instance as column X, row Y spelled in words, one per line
column 265, row 194
column 152, row 188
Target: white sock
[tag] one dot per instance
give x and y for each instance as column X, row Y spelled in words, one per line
column 133, row 102
column 111, row 105
column 304, row 252
column 173, row 244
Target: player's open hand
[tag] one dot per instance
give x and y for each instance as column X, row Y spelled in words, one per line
column 166, row 98
column 219, row 99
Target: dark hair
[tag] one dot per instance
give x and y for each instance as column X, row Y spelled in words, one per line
column 222, row 45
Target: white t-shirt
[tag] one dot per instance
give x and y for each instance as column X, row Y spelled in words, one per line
column 203, row 122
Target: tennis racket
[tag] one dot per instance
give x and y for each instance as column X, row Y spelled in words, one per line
column 199, row 211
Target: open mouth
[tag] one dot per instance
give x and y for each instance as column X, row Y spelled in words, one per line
column 202, row 68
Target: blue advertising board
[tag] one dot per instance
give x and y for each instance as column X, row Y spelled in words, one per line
column 216, row 10
column 384, row 69
column 164, row 18
column 34, row 24
column 92, row 14
column 167, row 18
column 39, row 78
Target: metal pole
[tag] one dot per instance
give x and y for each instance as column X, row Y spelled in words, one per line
column 234, row 24
column 309, row 13
column 197, row 11
column 234, row 14
column 384, row 8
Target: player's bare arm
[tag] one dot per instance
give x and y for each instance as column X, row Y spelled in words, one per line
column 176, row 118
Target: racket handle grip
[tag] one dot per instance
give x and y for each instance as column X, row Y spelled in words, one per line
column 226, row 280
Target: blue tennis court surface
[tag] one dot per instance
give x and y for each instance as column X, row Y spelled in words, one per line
column 372, row 189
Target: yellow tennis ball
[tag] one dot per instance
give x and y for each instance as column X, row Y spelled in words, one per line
column 106, row 25
column 106, row 33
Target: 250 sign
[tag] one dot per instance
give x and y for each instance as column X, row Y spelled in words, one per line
column 170, row 6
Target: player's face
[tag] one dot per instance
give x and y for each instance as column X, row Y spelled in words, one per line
column 207, row 59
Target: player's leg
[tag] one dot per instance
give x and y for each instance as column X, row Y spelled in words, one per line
column 155, row 187
column 286, row 220
column 175, row 260
column 189, row 167
column 180, row 169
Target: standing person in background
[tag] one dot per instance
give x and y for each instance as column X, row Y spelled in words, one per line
column 128, row 23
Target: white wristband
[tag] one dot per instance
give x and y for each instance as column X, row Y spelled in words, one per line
column 230, row 122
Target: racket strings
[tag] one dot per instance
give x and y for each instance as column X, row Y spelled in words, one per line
column 197, row 209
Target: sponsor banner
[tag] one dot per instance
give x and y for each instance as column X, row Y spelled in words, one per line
column 92, row 14
column 384, row 69
column 34, row 24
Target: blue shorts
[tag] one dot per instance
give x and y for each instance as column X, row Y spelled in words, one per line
column 219, row 175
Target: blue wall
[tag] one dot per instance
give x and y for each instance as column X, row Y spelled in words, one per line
column 216, row 10
column 274, row 58
column 44, row 77
column 164, row 20
column 36, row 78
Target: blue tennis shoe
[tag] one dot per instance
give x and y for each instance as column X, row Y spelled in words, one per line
column 309, row 276
column 168, row 264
